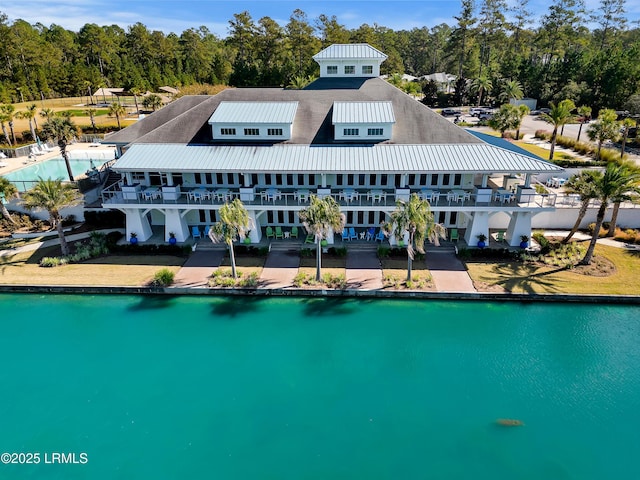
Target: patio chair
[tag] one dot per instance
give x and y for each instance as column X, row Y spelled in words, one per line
column 270, row 232
column 195, row 231
column 279, row 233
column 345, row 234
column 352, row 234
column 500, row 236
column 294, row 232
column 381, row 236
column 453, row 236
column 207, row 229
column 311, row 238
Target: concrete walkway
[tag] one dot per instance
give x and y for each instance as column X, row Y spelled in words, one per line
column 363, row 270
column 448, row 273
column 280, row 269
column 197, row 269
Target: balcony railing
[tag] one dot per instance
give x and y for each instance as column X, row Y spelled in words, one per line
column 376, row 197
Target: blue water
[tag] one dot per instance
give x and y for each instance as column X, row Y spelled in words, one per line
column 52, row 168
column 264, row 388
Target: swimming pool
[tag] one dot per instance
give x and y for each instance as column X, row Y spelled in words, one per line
column 257, row 388
column 52, row 168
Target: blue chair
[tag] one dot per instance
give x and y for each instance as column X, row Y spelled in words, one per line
column 381, row 236
column 195, row 231
column 352, row 234
column 207, row 229
column 345, row 234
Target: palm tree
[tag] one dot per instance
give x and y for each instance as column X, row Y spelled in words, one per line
column 627, row 123
column 626, row 195
column 481, row 85
column 91, row 112
column 47, row 113
column 30, row 115
column 4, row 118
column 322, row 216
column 63, row 130
column 617, row 181
column 584, row 113
column 583, row 184
column 605, row 128
column 415, row 218
column 511, row 90
column 523, row 111
column 233, row 225
column 7, row 112
column 53, row 196
column 136, row 92
column 506, row 118
column 7, row 191
column 117, row 110
column 298, row 83
column 558, row 116
column 152, row 101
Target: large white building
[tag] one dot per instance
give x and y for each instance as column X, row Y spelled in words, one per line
column 348, row 134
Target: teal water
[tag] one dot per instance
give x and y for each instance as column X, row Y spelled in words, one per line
column 52, row 168
column 252, row 388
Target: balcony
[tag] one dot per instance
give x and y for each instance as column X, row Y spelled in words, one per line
column 348, row 198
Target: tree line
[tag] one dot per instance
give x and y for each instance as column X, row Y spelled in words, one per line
column 566, row 52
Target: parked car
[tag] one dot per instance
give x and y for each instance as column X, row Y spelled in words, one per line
column 485, row 116
column 476, row 111
column 448, row 112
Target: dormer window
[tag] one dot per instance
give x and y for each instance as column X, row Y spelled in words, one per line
column 363, row 121
column 349, row 69
column 251, row 121
column 332, row 69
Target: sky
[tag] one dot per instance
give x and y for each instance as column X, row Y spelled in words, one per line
column 179, row 15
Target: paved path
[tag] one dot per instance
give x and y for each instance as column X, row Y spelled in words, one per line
column 197, row 269
column 280, row 269
column 449, row 274
column 363, row 270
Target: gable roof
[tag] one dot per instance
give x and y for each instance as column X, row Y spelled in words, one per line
column 363, row 112
column 254, row 112
column 349, row 51
column 186, row 119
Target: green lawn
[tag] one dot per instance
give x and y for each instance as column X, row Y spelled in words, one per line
column 521, row 278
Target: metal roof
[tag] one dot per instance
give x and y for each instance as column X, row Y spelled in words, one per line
column 349, row 51
column 363, row 112
column 465, row 158
column 254, row 112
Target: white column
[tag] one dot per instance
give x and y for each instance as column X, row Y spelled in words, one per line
column 137, row 223
column 479, row 224
column 520, row 224
column 256, row 232
column 175, row 223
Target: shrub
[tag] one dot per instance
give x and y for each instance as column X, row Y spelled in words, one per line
column 542, row 134
column 163, row 278
column 603, row 229
column 583, row 148
column 49, row 262
column 543, row 241
column 383, row 252
column 608, row 155
column 334, row 281
column 307, row 252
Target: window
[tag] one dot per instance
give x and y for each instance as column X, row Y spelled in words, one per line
column 375, row 132
column 227, row 131
column 254, row 179
column 251, row 131
column 383, row 180
column 279, row 179
column 230, row 179
column 434, row 180
column 367, row 69
column 362, row 179
column 177, row 178
column 372, row 179
column 312, row 179
column 289, row 179
column 398, row 181
column 300, row 179
column 457, row 179
column 332, row 69
column 351, row 132
column 350, row 179
column 219, row 179
column 446, row 179
column 412, row 179
column 349, row 70
column 423, row 179
column 274, row 132
column 339, row 179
